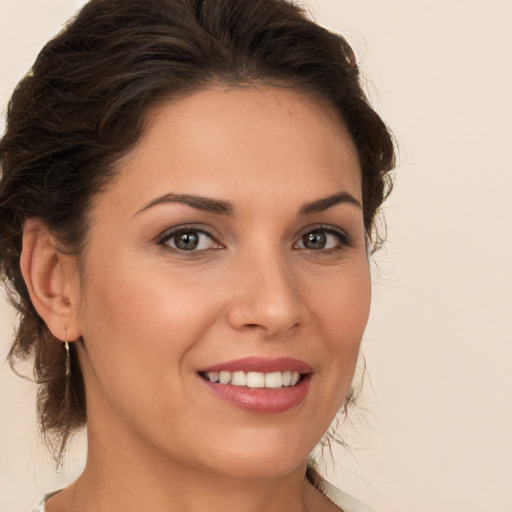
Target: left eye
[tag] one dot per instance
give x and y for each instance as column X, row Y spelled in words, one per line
column 190, row 240
column 321, row 239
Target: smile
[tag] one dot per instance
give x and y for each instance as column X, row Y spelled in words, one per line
column 273, row 380
column 259, row 384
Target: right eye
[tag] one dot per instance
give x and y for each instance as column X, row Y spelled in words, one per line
column 324, row 239
column 190, row 240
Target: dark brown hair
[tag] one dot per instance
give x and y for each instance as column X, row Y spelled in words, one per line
column 83, row 105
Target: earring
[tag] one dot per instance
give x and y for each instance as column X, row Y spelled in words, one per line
column 68, row 359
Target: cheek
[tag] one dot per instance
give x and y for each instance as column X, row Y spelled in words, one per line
column 140, row 319
column 342, row 314
column 136, row 335
column 345, row 306
column 133, row 295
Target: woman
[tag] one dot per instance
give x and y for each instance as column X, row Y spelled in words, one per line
column 187, row 207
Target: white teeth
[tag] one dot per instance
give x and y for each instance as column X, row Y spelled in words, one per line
column 213, row 376
column 224, row 377
column 274, row 380
column 271, row 380
column 238, row 379
column 255, row 380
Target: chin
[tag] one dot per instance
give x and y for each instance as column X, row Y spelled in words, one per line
column 262, row 461
column 263, row 468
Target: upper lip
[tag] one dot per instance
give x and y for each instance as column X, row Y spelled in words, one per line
column 260, row 364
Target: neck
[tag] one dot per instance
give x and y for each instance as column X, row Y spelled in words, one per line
column 116, row 478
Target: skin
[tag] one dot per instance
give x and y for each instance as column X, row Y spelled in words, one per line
column 146, row 316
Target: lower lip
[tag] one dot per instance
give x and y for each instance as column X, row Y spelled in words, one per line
column 261, row 400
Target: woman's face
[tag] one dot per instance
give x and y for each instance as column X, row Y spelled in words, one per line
column 230, row 246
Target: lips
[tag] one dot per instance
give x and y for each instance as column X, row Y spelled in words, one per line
column 261, row 364
column 259, row 385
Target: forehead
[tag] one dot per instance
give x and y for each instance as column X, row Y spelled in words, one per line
column 220, row 140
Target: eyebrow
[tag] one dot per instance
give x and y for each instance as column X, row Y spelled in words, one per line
column 200, row 203
column 220, row 207
column 327, row 202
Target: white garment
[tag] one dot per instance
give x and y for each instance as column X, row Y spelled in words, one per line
column 40, row 507
column 342, row 500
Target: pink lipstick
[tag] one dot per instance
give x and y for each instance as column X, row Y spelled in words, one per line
column 258, row 384
column 260, row 364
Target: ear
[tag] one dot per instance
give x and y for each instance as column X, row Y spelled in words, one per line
column 51, row 280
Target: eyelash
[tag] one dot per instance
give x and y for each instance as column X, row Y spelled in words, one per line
column 169, row 235
column 343, row 239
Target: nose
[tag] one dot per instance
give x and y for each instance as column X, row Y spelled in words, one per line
column 267, row 297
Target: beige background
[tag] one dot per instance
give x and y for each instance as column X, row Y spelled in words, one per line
column 436, row 432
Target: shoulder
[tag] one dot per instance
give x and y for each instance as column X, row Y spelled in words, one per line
column 341, row 499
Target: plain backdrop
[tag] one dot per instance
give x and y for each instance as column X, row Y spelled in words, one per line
column 433, row 432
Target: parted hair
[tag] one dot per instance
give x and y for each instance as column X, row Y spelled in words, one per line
column 84, row 103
